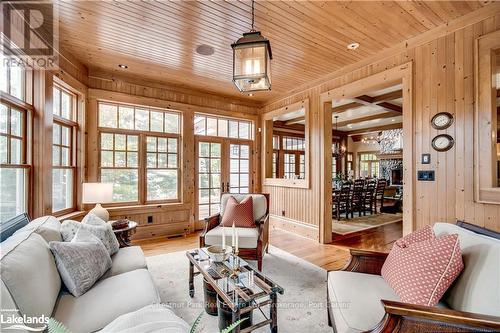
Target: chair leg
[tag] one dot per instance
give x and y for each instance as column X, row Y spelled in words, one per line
column 259, row 263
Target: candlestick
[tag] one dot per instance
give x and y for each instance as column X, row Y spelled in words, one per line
column 237, row 241
column 234, row 235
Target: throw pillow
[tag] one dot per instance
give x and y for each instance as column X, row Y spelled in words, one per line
column 241, row 214
column 80, row 262
column 426, row 233
column 103, row 232
column 421, row 272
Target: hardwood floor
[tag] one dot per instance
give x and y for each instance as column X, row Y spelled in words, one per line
column 328, row 256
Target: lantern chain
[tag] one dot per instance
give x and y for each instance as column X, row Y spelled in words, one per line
column 253, row 14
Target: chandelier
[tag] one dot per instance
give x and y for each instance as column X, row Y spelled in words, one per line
column 338, row 150
column 252, row 60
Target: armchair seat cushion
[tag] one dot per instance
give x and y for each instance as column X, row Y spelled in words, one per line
column 248, row 237
column 355, row 300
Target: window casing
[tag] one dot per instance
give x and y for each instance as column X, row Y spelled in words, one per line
column 64, row 134
column 368, row 165
column 139, row 153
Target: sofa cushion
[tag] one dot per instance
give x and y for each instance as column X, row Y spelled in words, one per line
column 125, row 260
column 355, row 300
column 259, row 203
column 48, row 227
column 151, row 318
column 30, row 274
column 106, row 300
column 247, row 237
column 103, row 231
column 421, row 272
column 477, row 289
column 81, row 262
column 239, row 213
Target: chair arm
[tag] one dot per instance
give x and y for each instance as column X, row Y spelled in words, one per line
column 369, row 262
column 418, row 318
column 263, row 225
column 210, row 223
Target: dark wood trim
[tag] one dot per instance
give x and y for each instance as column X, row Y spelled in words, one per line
column 479, row 230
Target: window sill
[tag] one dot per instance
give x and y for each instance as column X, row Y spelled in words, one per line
column 72, row 215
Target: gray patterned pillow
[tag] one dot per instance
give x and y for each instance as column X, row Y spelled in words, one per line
column 103, row 231
column 81, row 262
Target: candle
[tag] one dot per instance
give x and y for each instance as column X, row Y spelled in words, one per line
column 223, row 239
column 236, row 240
column 234, row 236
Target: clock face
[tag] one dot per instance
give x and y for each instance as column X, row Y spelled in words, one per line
column 442, row 120
column 442, row 142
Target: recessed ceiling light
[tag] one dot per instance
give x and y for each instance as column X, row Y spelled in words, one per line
column 250, row 94
column 353, row 46
column 205, row 49
column 393, row 120
column 122, row 66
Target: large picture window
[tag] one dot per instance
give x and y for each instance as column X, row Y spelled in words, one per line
column 64, row 132
column 222, row 127
column 139, row 153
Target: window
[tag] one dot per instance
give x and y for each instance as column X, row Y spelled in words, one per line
column 16, row 79
column 289, row 167
column 64, row 131
column 334, row 167
column 275, row 164
column 15, row 168
column 223, row 127
column 139, row 149
column 290, row 143
column 368, row 165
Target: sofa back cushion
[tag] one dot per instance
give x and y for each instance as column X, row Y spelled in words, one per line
column 259, row 203
column 48, row 227
column 30, row 274
column 477, row 289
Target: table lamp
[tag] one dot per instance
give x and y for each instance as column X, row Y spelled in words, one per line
column 98, row 193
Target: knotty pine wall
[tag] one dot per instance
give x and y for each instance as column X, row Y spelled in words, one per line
column 443, row 80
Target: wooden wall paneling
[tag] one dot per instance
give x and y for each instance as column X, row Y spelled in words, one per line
column 443, row 80
column 42, row 140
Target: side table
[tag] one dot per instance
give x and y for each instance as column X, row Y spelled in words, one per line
column 123, row 235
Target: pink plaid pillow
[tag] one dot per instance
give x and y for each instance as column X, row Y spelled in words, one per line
column 421, row 272
column 239, row 213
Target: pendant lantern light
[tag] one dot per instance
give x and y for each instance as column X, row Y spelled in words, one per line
column 252, row 60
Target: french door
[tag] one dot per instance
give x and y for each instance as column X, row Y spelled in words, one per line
column 222, row 165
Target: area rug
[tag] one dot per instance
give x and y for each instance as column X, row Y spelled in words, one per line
column 361, row 223
column 302, row 308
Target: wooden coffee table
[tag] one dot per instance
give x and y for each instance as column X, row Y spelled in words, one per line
column 250, row 290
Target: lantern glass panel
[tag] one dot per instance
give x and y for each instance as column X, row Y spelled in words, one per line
column 251, row 67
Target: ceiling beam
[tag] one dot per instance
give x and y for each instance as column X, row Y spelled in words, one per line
column 388, row 97
column 295, row 120
column 375, row 129
column 498, row 92
column 370, row 101
column 345, row 107
column 366, row 118
column 391, row 107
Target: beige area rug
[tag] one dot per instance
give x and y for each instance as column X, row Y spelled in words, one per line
column 361, row 223
column 301, row 309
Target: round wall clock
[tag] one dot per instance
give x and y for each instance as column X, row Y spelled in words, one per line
column 442, row 142
column 442, row 120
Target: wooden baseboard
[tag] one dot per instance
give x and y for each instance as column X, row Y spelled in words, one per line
column 293, row 226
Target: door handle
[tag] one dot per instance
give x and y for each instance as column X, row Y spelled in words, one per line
column 222, row 187
column 227, row 187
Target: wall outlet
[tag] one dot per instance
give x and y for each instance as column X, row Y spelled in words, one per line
column 150, row 219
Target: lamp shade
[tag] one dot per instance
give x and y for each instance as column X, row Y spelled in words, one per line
column 252, row 62
column 97, row 193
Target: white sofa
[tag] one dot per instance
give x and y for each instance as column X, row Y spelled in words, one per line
column 355, row 294
column 32, row 286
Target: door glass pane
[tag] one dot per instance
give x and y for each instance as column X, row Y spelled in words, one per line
column 209, row 178
column 239, row 168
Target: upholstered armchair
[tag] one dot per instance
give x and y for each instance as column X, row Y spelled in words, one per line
column 253, row 242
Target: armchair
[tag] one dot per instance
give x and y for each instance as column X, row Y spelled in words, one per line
column 253, row 242
column 359, row 299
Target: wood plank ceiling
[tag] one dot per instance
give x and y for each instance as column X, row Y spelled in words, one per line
column 157, row 40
